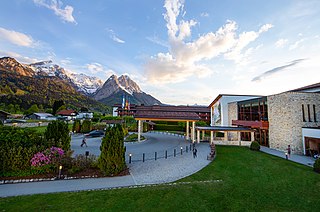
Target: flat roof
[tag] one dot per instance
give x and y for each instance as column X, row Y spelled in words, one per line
column 224, row 128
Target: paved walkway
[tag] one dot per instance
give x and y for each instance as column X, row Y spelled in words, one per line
column 149, row 172
column 305, row 160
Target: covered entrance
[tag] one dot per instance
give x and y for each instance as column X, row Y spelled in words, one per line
column 150, row 115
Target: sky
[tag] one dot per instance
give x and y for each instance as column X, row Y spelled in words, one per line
column 182, row 52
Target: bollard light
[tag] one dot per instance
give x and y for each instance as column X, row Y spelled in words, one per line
column 181, row 150
column 60, row 168
column 130, row 157
column 286, row 156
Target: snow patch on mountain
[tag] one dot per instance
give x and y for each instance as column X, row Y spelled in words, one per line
column 82, row 82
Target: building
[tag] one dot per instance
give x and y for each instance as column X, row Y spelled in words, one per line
column 288, row 118
column 84, row 115
column 3, row 116
column 202, row 111
column 219, row 107
column 67, row 114
column 42, row 116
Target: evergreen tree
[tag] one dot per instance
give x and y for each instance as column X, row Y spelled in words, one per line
column 76, row 126
column 86, row 126
column 112, row 157
column 56, row 106
column 57, row 134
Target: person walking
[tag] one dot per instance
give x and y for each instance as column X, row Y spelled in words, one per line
column 84, row 142
column 195, row 153
column 289, row 151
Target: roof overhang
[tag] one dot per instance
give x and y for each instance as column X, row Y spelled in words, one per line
column 166, row 116
column 225, row 128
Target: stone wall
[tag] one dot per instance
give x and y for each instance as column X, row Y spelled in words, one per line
column 286, row 119
column 232, row 115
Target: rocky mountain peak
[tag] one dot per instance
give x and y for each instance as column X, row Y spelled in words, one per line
column 10, row 64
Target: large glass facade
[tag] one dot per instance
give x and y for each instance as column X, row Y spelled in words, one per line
column 254, row 110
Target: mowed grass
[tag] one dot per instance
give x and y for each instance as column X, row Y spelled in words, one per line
column 250, row 181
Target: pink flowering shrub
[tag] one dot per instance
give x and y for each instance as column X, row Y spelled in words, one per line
column 47, row 159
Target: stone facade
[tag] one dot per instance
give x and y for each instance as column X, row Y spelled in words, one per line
column 285, row 118
column 232, row 115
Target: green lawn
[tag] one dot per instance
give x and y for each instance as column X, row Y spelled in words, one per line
column 250, row 181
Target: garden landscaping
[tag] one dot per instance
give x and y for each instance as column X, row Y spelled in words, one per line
column 238, row 179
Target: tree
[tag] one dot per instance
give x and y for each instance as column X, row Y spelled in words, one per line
column 112, row 156
column 86, row 126
column 57, row 134
column 56, row 105
column 76, row 126
column 33, row 109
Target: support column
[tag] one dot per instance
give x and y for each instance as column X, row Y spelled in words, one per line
column 225, row 135
column 193, row 131
column 211, row 137
column 203, row 135
column 187, row 131
column 139, row 130
column 198, row 136
column 252, row 136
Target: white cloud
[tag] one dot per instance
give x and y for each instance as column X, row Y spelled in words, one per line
column 244, row 39
column 204, row 14
column 98, row 69
column 158, row 41
column 56, row 6
column 186, row 59
column 17, row 38
column 296, row 44
column 95, row 67
column 281, row 43
column 18, row 57
column 114, row 37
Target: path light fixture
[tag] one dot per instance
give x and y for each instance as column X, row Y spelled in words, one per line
column 286, row 155
column 130, row 155
column 60, row 168
column 181, row 150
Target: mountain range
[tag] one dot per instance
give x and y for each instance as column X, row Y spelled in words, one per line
column 44, row 82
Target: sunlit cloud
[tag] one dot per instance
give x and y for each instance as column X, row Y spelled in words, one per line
column 16, row 38
column 188, row 58
column 56, row 6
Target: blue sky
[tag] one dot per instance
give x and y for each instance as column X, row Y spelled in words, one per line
column 181, row 52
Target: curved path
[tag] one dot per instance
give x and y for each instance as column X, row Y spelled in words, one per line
column 151, row 171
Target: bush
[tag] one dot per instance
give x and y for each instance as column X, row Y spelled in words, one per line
column 255, row 146
column 168, row 127
column 134, row 137
column 316, row 165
